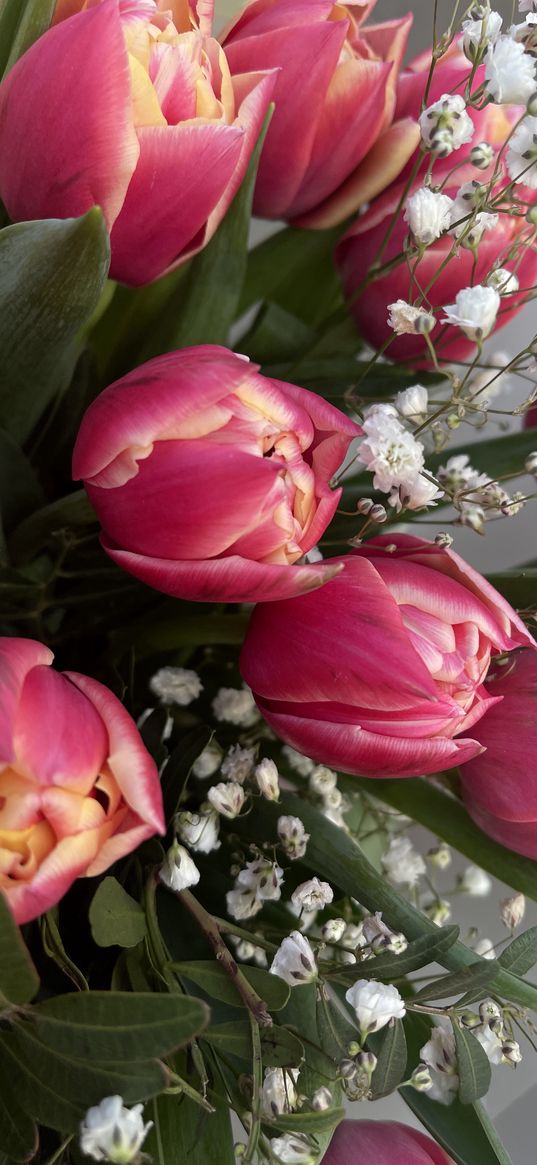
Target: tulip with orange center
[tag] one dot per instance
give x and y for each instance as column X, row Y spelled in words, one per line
column 78, row 789
column 138, row 114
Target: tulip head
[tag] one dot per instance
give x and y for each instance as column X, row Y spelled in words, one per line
column 368, row 1142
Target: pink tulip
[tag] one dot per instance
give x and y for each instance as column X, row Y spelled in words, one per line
column 78, row 788
column 335, row 99
column 367, row 1142
column 136, row 115
column 500, row 786
column 379, row 235
column 209, row 480
column 382, row 672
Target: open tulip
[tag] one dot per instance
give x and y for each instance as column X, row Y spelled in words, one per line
column 78, row 789
column 382, row 1143
column 335, row 100
column 211, row 481
column 379, row 235
column 500, row 786
column 381, row 673
column 137, row 115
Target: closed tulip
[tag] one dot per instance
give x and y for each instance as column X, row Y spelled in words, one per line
column 211, row 481
column 381, row 673
column 500, row 785
column 382, row 1143
column 379, row 235
column 78, row 789
column 138, row 115
column 331, row 144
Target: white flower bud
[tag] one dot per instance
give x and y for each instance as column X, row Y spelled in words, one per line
column 178, row 871
column 511, row 1053
column 406, row 320
column 321, row 1099
column 522, row 154
column 294, row 960
column 235, row 706
column 312, row 895
column 380, row 937
column 477, row 34
column 293, row 836
column 475, row 882
column 482, row 155
column 264, row 877
column 438, row 910
column 485, row 948
column 243, row 902
column 333, row 930
column 292, row 1149
column 530, row 464
column 375, row 1004
column 238, row 763
column 444, row 539
column 176, row 685
column 428, row 215
column 503, row 281
column 440, row 856
column 421, row 1079
column 267, row 777
column 208, row 761
column 475, row 311
column 227, row 798
column 489, row 1010
column 413, row 403
column 279, row 1094
column 512, row 910
column 322, row 781
column 199, row 830
column 111, row 1132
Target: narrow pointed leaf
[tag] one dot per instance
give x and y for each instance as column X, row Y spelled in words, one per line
column 521, row 955
column 473, row 1066
column 391, row 1052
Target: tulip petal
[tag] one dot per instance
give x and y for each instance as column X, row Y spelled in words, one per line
column 190, row 165
column 520, row 836
column 223, row 580
column 382, row 1143
column 17, row 658
column 68, row 745
column 67, row 861
column 82, row 149
column 261, row 17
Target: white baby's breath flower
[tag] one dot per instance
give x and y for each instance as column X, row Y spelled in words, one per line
column 412, row 403
column 279, row 1094
column 440, row 856
column 322, row 781
column 292, row 1149
column 227, row 798
column 267, row 777
column 503, row 281
column 312, row 895
column 402, row 863
column 440, row 1056
column 333, row 930
column 112, row 1132
column 428, row 214
column 294, row 960
column 445, row 125
column 293, row 836
column 477, row 34
column 178, row 871
column 512, row 910
column 208, row 761
column 322, row 1099
column 475, row 882
column 415, row 494
column 521, row 157
column 199, row 830
column 438, row 910
column 458, row 474
column 263, row 877
column 407, row 320
column 490, row 1041
column 243, row 902
column 176, row 685
column 246, row 951
column 509, row 72
column 527, row 5
column 485, row 948
column 380, row 937
column 375, row 1004
column 235, row 706
column 475, row 311
column 297, row 761
column 305, row 919
column 238, row 763
column 388, row 450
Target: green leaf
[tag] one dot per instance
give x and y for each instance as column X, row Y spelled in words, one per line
column 420, row 953
column 101, row 1025
column 443, row 815
column 294, row 270
column 214, row 981
column 390, row 1050
column 179, row 766
column 464, row 1131
column 519, row 587
column 20, row 492
column 34, row 21
column 183, row 630
column 276, row 335
column 473, row 1066
column 308, row 1122
column 19, row 980
column 498, row 456
column 280, row 1048
column 521, row 955
column 71, row 512
column 115, row 918
column 10, row 12
column 18, row 1133
column 478, row 975
column 182, row 1133
column 52, row 274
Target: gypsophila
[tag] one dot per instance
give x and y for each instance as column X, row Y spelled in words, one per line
column 333, row 930
column 503, row 281
column 235, row 706
column 380, row 937
column 406, row 320
column 199, row 830
column 394, row 457
column 512, row 910
column 322, row 1099
column 446, row 126
column 292, row 1149
column 178, row 871
column 521, row 158
column 440, row 1057
column 176, row 685
column 375, row 1004
column 509, row 72
column 474, row 311
column 312, row 895
column 294, row 960
column 293, row 836
column 208, row 761
column 485, row 948
column 246, row 951
column 474, row 882
column 477, row 34
column 267, row 778
column 438, row 910
column 322, row 780
column 440, row 856
column 402, row 863
column 297, row 761
column 279, row 1094
column 227, row 798
column 428, row 214
column 412, row 403
column 112, row 1132
column 238, row 763
column 263, row 877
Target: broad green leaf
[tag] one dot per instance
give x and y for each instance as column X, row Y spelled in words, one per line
column 336, row 857
column 306, row 1012
column 103, row 1026
column 115, row 918
column 308, row 1122
column 179, row 766
column 214, row 981
column 183, row 1134
column 473, row 1066
column 34, row 21
column 71, row 512
column 10, row 13
column 280, row 1048
column 390, row 1050
column 183, row 630
column 19, row 980
column 478, row 975
column 276, row 335
column 448, row 819
column 20, row 492
column 519, row 587
column 419, row 953
column 52, row 274
column 18, row 1133
column 521, row 955
column 293, row 269
column 464, row 1131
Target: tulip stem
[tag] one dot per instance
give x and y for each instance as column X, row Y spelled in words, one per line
column 256, row 1006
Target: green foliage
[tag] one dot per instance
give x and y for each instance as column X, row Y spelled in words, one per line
column 521, row 955
column 34, row 17
column 182, row 1132
column 115, row 918
column 390, row 1049
column 214, row 982
column 473, row 1066
column 19, row 980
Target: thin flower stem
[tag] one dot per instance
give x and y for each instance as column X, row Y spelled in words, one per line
column 210, row 927
column 248, row 936
column 257, row 1082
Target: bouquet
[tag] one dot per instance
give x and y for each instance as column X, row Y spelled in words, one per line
column 241, row 655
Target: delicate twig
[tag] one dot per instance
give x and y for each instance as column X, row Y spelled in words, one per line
column 257, row 1084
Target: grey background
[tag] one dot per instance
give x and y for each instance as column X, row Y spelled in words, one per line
column 512, row 1100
